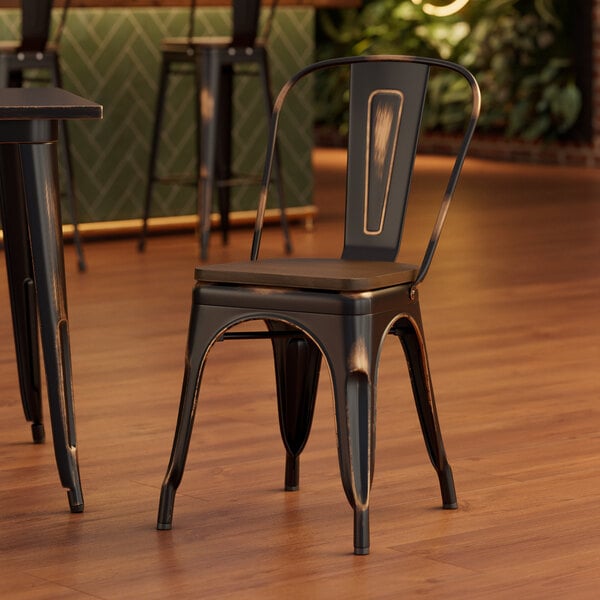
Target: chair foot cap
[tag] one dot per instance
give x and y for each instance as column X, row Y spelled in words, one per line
column 450, row 506
column 75, row 500
column 292, row 488
column 163, row 526
column 38, row 433
column 361, row 551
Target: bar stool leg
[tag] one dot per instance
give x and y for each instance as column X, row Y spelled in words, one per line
column 158, row 120
column 40, row 185
column 223, row 156
column 68, row 166
column 67, row 161
column 198, row 60
column 211, row 74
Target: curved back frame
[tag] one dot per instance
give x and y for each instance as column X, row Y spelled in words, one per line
column 36, row 16
column 387, row 95
column 246, row 14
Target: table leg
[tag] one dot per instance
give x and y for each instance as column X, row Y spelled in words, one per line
column 38, row 167
column 19, row 267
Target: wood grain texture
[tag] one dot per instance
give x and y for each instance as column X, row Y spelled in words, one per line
column 310, row 273
column 511, row 312
column 45, row 103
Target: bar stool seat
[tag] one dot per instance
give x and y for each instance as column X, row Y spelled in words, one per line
column 213, row 61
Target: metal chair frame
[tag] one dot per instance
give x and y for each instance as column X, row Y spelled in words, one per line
column 341, row 309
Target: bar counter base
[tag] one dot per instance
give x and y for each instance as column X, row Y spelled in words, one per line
column 185, row 223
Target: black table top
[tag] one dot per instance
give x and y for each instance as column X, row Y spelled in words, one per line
column 45, row 103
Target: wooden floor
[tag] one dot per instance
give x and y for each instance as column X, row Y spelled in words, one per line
column 511, row 311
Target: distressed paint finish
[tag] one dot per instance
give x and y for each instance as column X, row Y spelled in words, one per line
column 383, row 124
column 29, row 203
column 340, row 307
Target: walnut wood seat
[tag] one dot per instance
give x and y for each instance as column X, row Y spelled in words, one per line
column 310, row 273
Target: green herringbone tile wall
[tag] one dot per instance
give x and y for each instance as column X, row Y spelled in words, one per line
column 112, row 56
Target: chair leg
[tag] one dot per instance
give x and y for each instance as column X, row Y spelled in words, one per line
column 297, row 367
column 200, row 339
column 151, row 178
column 353, row 368
column 181, row 442
column 68, row 167
column 266, row 83
column 355, row 417
column 413, row 343
column 23, row 300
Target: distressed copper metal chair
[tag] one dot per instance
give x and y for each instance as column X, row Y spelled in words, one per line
column 215, row 62
column 341, row 309
column 36, row 59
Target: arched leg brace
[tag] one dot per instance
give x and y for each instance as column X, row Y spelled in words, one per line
column 297, row 367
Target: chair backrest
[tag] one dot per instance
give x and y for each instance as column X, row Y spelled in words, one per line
column 387, row 95
column 36, row 16
column 245, row 18
column 386, row 104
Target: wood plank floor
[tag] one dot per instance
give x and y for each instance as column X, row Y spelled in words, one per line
column 511, row 311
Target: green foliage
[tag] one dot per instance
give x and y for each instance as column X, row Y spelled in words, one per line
column 517, row 49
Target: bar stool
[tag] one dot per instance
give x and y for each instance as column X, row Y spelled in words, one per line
column 30, row 211
column 214, row 61
column 34, row 53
